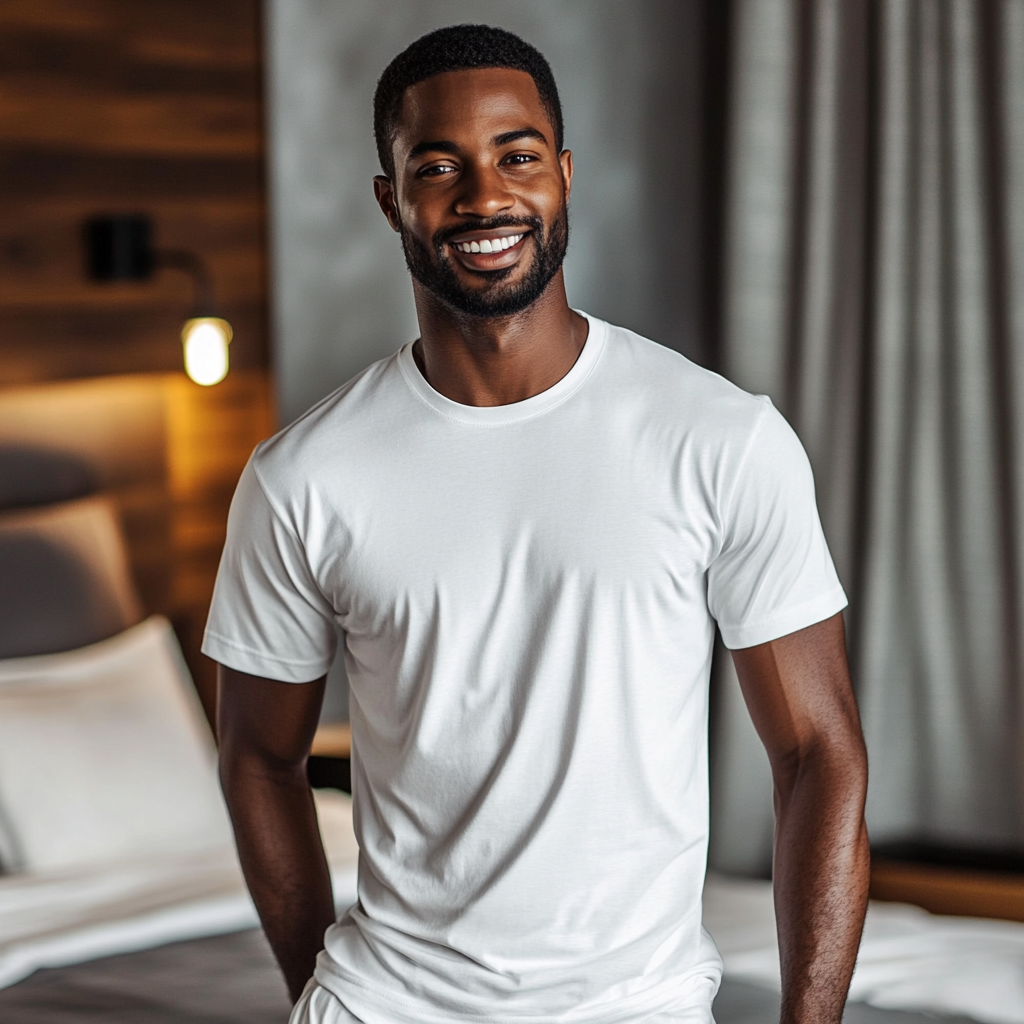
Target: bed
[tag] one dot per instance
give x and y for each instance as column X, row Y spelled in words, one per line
column 219, row 970
column 232, row 979
column 174, row 940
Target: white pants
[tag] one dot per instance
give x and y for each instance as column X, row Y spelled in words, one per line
column 318, row 1006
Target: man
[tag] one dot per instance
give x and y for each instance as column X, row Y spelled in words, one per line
column 526, row 524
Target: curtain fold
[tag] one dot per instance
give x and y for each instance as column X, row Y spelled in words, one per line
column 874, row 287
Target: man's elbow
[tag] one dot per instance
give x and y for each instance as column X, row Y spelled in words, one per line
column 243, row 768
column 832, row 761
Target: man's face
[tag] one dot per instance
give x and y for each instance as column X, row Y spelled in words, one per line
column 476, row 169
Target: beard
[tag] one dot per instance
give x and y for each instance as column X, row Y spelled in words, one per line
column 433, row 267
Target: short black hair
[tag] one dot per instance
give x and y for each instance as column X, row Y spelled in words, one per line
column 457, row 48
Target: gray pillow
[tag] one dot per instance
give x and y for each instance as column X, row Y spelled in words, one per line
column 64, row 578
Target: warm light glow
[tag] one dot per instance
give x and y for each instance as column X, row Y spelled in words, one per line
column 206, row 339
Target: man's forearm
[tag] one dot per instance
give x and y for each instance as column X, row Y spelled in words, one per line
column 821, row 878
column 283, row 861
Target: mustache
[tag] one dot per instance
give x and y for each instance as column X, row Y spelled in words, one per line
column 502, row 220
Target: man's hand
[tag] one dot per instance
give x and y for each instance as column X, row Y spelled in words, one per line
column 798, row 691
column 264, row 730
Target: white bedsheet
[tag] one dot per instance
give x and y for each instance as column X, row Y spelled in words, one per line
column 68, row 917
column 909, row 959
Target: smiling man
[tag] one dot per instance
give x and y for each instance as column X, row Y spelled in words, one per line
column 527, row 524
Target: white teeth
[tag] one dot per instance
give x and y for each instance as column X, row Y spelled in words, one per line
column 489, row 244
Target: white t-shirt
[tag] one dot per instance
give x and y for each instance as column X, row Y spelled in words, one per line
column 528, row 595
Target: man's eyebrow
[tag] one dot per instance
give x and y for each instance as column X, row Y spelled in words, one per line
column 438, row 146
column 520, row 133
column 444, row 146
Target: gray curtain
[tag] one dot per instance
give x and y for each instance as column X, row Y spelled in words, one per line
column 874, row 287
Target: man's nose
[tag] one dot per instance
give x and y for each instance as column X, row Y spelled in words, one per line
column 483, row 193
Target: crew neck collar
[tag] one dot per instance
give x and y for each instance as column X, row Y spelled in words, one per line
column 514, row 412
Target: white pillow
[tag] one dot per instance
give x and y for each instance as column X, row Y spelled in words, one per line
column 105, row 755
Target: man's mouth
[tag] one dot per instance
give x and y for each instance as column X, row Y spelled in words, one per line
column 485, row 250
column 496, row 244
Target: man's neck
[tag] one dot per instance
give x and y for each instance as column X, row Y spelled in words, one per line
column 476, row 361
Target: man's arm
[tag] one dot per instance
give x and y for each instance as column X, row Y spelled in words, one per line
column 264, row 731
column 798, row 691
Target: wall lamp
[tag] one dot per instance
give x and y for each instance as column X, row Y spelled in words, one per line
column 120, row 248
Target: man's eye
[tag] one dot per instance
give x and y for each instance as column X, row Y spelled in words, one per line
column 520, row 158
column 436, row 170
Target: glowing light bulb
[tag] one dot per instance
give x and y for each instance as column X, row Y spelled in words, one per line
column 206, row 339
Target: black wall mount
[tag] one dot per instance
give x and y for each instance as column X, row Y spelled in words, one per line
column 119, row 247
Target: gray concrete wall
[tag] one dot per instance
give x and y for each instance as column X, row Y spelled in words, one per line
column 628, row 72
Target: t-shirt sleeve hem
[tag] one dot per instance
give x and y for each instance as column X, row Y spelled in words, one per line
column 258, row 663
column 784, row 621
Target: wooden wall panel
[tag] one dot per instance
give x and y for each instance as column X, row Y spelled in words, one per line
column 127, row 106
column 150, row 106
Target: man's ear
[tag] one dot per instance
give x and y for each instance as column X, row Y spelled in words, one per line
column 565, row 159
column 384, row 192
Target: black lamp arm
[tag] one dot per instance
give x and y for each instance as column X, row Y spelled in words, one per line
column 195, row 266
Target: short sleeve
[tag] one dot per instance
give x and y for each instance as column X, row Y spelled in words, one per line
column 773, row 573
column 268, row 616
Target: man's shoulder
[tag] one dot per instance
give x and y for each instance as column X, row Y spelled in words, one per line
column 671, row 385
column 349, row 417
